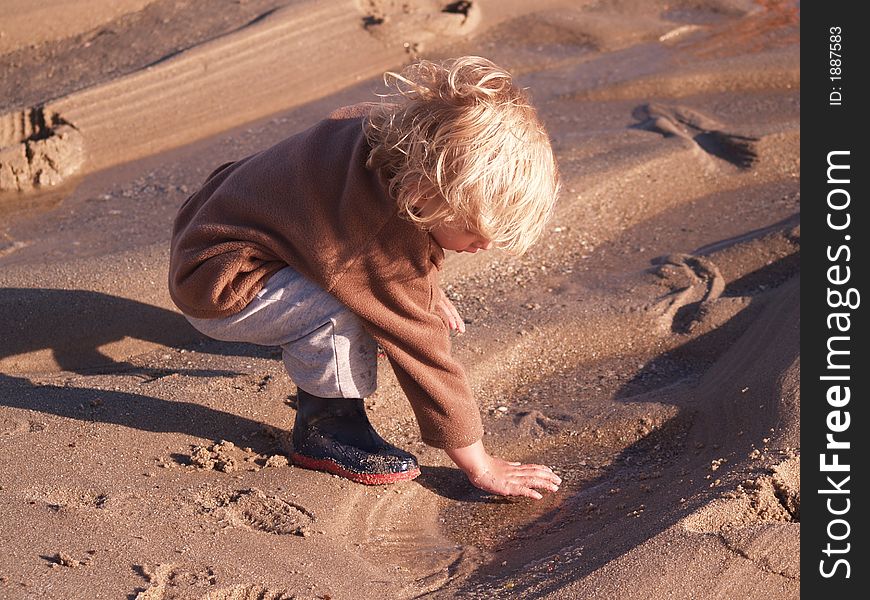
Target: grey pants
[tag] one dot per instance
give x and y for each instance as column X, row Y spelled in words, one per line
column 326, row 351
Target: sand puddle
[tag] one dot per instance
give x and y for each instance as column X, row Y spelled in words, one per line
column 634, row 440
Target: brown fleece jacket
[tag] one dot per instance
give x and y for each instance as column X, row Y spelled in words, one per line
column 311, row 203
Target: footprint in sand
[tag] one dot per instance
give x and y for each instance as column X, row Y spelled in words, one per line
column 10, row 426
column 172, row 581
column 248, row 592
column 253, row 509
column 534, row 423
column 73, row 499
column 37, row 148
column 702, row 131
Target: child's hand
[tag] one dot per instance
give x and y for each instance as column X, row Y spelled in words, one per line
column 449, row 312
column 515, row 479
column 501, row 477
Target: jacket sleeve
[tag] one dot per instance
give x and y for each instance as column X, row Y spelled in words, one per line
column 395, row 300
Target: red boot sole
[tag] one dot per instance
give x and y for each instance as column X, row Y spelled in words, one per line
column 322, row 464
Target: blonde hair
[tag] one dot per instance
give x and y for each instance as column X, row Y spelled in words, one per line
column 460, row 136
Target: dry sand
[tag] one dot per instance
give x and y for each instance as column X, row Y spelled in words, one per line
column 647, row 348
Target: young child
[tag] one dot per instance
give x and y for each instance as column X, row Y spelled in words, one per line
column 329, row 243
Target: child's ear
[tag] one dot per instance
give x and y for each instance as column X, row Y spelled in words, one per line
column 423, row 207
column 422, row 202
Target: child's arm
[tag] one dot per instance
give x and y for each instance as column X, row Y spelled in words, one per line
column 501, row 477
column 485, row 471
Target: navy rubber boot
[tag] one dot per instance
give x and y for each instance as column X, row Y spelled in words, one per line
column 335, row 435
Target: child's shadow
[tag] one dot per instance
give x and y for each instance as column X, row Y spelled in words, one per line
column 75, row 324
column 133, row 410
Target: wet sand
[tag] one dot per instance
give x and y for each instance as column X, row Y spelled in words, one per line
column 647, row 348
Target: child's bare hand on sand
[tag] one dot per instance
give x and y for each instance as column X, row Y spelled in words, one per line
column 449, row 313
column 501, row 477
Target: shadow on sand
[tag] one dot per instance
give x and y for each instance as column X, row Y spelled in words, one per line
column 136, row 411
column 75, row 324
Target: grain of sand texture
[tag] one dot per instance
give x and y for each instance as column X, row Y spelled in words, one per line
column 647, row 348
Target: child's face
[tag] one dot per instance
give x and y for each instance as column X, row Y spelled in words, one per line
column 460, row 240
